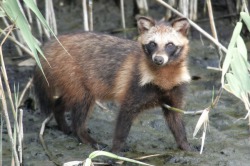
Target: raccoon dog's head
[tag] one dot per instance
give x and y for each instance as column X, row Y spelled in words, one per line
column 164, row 43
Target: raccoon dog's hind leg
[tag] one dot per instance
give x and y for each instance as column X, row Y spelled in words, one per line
column 80, row 112
column 47, row 103
column 59, row 114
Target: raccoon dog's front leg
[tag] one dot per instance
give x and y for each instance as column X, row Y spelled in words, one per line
column 174, row 119
column 123, row 124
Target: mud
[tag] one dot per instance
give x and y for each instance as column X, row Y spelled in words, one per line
column 227, row 141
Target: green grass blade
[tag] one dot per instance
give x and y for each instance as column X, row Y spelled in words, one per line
column 227, row 63
column 2, row 13
column 234, row 85
column 34, row 8
column 240, row 71
column 12, row 10
column 242, row 49
column 111, row 155
column 235, row 35
column 231, row 47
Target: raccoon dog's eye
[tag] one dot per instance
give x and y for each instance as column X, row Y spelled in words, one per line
column 170, row 48
column 150, row 48
column 152, row 45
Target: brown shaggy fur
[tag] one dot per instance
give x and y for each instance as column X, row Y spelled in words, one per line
column 103, row 67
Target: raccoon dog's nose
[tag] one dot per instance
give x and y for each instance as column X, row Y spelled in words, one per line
column 158, row 60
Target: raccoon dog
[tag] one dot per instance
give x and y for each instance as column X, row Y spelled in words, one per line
column 138, row 75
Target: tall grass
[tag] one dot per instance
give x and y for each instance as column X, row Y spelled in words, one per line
column 15, row 14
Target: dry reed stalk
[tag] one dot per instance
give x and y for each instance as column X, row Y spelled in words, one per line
column 182, row 111
column 122, row 14
column 43, row 126
column 49, row 154
column 101, row 105
column 7, row 120
column 23, row 47
column 244, row 6
column 39, row 26
column 213, row 29
column 5, row 77
column 194, row 25
column 193, row 10
column 85, row 15
column 90, row 10
column 20, row 148
column 183, row 6
column 19, row 51
column 47, row 18
column 1, row 136
column 29, row 83
column 143, row 6
column 168, row 12
column 50, row 16
column 4, row 104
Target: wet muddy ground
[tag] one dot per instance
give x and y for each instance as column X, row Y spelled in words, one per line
column 227, row 142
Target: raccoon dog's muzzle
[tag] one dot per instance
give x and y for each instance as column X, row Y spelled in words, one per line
column 160, row 60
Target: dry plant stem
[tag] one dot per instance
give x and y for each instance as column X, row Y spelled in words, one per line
column 20, row 147
column 50, row 17
column 216, row 100
column 184, row 6
column 90, row 9
column 43, row 125
column 211, row 18
column 101, row 105
column 213, row 28
column 28, row 13
column 13, row 35
column 182, row 111
column 214, row 68
column 85, row 15
column 1, row 136
column 193, row 112
column 49, row 154
column 24, row 91
column 122, row 14
column 6, row 115
column 46, row 32
column 194, row 6
column 168, row 12
column 25, row 49
column 194, row 25
column 39, row 27
column 4, row 73
column 244, row 5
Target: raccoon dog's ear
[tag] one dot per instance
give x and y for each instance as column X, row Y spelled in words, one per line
column 144, row 23
column 181, row 25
